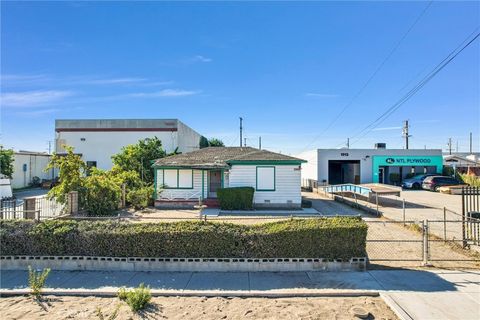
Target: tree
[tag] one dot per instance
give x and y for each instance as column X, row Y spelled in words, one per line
column 71, row 172
column 214, row 142
column 138, row 157
column 6, row 162
column 203, row 142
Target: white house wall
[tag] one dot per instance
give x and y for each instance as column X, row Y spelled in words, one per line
column 36, row 165
column 287, row 183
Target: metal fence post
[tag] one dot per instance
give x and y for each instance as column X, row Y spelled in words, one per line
column 425, row 243
column 403, row 208
column 376, row 200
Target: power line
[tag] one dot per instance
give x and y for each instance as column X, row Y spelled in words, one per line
column 364, row 86
column 439, row 67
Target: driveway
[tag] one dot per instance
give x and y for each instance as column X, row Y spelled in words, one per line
column 26, row 193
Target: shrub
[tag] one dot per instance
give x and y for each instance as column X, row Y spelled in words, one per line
column 469, row 179
column 101, row 194
column 140, row 198
column 240, row 198
column 332, row 238
column 137, row 298
column 306, row 203
column 36, row 281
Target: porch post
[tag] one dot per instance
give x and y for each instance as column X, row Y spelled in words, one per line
column 203, row 184
column 155, row 184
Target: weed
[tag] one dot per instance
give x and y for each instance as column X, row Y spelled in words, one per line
column 137, row 298
column 36, row 281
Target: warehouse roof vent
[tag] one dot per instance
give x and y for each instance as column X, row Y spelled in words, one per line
column 380, row 145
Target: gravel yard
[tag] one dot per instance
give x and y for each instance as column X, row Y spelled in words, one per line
column 195, row 308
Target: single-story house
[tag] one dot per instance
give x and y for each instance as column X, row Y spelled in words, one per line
column 184, row 179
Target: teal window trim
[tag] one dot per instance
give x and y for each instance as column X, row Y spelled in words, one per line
column 274, row 178
column 178, row 180
column 155, row 184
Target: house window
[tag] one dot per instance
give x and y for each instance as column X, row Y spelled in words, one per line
column 265, row 179
column 90, row 165
column 178, row 178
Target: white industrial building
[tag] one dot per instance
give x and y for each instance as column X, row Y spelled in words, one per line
column 378, row 165
column 27, row 165
column 98, row 140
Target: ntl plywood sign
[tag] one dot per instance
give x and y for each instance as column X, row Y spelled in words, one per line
column 412, row 161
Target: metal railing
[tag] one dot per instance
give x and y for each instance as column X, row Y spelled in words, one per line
column 178, row 194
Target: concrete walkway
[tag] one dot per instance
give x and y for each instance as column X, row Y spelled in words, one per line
column 413, row 294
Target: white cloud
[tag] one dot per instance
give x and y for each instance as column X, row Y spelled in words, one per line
column 387, row 128
column 199, row 58
column 33, row 98
column 116, row 81
column 164, row 93
column 320, row 95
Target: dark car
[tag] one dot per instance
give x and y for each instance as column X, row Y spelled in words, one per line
column 415, row 182
column 435, row 182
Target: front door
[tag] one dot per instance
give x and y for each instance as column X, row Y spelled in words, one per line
column 215, row 183
column 381, row 175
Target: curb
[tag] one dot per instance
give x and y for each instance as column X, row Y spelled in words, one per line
column 174, row 293
column 396, row 308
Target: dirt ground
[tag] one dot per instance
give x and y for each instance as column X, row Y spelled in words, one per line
column 53, row 307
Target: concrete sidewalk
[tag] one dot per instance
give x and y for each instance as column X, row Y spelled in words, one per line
column 413, row 294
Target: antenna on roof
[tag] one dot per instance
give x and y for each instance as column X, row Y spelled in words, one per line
column 260, row 143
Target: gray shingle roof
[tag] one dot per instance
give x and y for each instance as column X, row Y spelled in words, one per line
column 220, row 157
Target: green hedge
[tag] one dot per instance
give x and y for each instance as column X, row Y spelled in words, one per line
column 333, row 238
column 239, row 198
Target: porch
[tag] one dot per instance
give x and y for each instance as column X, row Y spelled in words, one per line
column 187, row 188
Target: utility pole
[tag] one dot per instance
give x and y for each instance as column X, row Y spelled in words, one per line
column 449, row 146
column 405, row 133
column 348, row 143
column 471, row 149
column 49, row 147
column 245, row 143
column 260, row 143
column 457, row 147
column 241, row 131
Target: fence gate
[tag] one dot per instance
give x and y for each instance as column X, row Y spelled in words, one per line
column 471, row 215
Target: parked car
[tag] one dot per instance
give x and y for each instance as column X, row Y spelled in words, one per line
column 434, row 182
column 415, row 182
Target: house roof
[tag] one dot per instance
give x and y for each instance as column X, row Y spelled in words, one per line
column 222, row 157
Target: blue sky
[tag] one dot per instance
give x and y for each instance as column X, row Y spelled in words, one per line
column 286, row 68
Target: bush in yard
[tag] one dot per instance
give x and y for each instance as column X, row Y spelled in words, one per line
column 36, row 281
column 239, row 198
column 137, row 298
column 470, row 179
column 140, row 198
column 101, row 194
column 331, row 238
